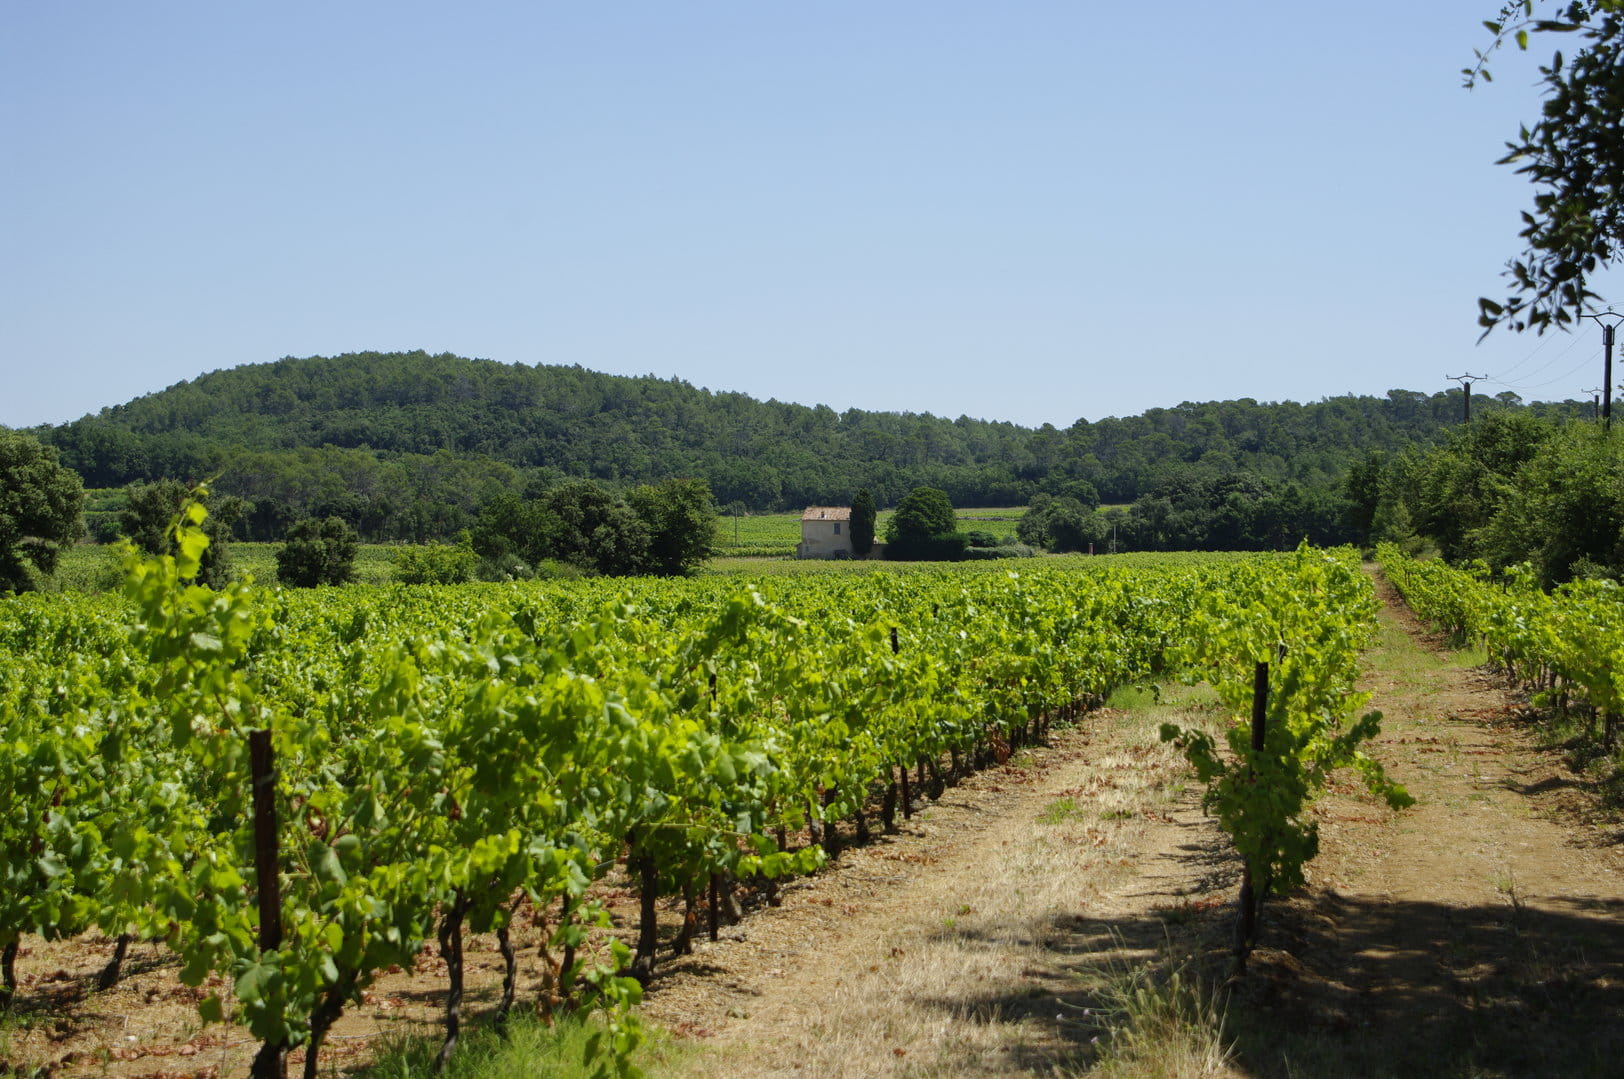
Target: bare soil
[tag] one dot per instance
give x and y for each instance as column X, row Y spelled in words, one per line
column 1475, row 934
column 967, row 945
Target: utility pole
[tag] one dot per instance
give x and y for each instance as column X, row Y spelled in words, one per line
column 1466, row 382
column 1608, row 320
column 1595, row 402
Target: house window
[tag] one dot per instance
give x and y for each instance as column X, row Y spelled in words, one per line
column 837, row 528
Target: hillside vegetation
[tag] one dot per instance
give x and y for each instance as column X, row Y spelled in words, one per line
column 410, row 446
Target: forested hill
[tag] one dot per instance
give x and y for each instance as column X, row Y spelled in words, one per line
column 414, row 428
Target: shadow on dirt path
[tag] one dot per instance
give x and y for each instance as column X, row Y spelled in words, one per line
column 1479, row 933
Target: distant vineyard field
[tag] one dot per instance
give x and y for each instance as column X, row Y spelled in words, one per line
column 775, row 535
column 96, row 568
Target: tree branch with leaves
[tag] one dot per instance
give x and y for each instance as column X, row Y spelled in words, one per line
column 1573, row 155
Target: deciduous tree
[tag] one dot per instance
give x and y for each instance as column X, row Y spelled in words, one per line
column 317, row 552
column 923, row 513
column 40, row 509
column 589, row 527
column 149, row 508
column 681, row 519
column 923, row 527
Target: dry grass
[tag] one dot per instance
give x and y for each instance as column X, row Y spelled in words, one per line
column 1006, row 956
column 1163, row 1027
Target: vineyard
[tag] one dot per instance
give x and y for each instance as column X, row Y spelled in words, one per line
column 296, row 792
column 776, row 535
column 1565, row 647
column 765, row 540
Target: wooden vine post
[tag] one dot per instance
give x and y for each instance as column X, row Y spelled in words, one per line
column 1251, row 890
column 715, row 906
column 271, row 1062
column 8, row 974
column 902, row 769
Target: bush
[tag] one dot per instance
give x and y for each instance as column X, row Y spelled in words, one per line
column 317, row 553
column 549, row 569
column 436, row 563
column 1007, row 550
column 504, row 567
column 511, row 567
column 949, row 547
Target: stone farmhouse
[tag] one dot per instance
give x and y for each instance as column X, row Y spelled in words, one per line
column 825, row 532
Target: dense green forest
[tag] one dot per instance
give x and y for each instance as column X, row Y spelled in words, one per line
column 1511, row 489
column 409, row 446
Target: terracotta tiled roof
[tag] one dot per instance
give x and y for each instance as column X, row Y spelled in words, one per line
column 827, row 513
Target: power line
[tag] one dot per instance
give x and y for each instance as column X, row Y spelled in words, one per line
column 1521, row 386
column 1544, row 340
column 1573, row 341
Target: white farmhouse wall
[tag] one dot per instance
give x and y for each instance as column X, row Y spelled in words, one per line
column 825, row 530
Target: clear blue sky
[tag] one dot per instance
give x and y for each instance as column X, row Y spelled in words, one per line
column 1027, row 211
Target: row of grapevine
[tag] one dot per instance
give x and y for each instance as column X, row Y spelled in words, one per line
column 444, row 755
column 1282, row 652
column 1566, row 645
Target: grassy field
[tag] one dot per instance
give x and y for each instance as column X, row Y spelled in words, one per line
column 744, row 543
column 92, row 568
column 373, row 561
column 775, row 535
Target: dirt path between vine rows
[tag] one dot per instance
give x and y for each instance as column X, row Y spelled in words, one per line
column 1479, row 933
column 971, row 944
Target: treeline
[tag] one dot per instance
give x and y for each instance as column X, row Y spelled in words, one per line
column 578, row 526
column 1515, row 486
column 1196, row 510
column 664, row 529
column 1511, row 488
column 409, row 446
